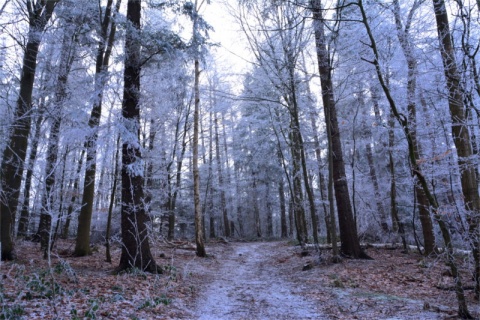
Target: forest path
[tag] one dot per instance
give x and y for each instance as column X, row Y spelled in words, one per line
column 245, row 284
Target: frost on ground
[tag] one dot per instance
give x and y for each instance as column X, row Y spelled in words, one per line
column 239, row 280
column 246, row 286
column 266, row 281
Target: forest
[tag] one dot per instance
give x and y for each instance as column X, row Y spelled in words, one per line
column 331, row 125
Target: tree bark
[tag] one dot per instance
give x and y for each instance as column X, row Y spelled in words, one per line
column 461, row 139
column 196, row 176
column 136, row 246
column 74, row 192
column 16, row 148
column 108, row 256
column 350, row 244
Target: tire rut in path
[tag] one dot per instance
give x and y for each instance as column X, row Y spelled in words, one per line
column 246, row 285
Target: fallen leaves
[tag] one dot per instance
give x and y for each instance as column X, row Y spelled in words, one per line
column 393, row 285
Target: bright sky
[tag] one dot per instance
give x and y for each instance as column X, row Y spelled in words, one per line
column 232, row 54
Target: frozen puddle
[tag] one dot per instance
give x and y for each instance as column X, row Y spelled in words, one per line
column 246, row 287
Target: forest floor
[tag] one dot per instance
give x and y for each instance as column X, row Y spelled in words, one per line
column 239, row 280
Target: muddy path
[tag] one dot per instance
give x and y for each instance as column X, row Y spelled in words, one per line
column 245, row 285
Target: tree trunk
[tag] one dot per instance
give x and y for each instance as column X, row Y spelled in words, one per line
column 297, row 196
column 350, row 244
column 136, row 246
column 16, row 148
column 108, row 256
column 321, row 178
column 376, row 189
column 196, row 176
column 256, row 211
column 208, row 205
column 423, row 205
column 239, row 202
column 74, row 193
column 223, row 202
column 461, row 139
column 283, row 209
column 25, row 208
column 82, row 244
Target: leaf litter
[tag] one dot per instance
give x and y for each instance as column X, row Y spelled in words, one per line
column 239, row 280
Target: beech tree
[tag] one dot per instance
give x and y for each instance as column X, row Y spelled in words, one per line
column 350, row 244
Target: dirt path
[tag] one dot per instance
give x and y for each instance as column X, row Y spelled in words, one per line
column 246, row 286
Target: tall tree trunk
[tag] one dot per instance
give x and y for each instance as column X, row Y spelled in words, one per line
column 256, row 211
column 24, row 219
column 332, row 219
column 16, row 148
column 209, row 190
column 298, row 161
column 108, row 256
column 297, row 196
column 461, row 138
column 269, row 212
column 376, row 189
column 221, row 185
column 196, row 176
column 321, row 178
column 350, row 244
column 136, row 245
column 372, row 165
column 74, row 192
column 407, row 48
column 60, row 199
column 239, row 200
column 82, row 243
column 283, row 209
